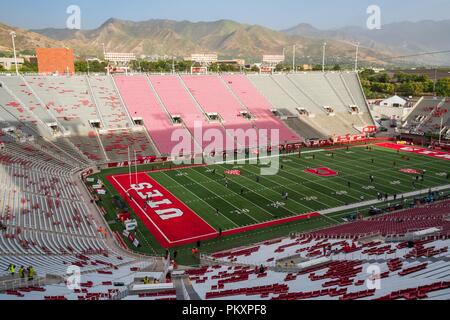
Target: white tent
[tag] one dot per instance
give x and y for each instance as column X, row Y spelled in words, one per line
column 394, row 101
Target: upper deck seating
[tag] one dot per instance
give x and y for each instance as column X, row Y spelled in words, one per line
column 259, row 107
column 109, row 105
column 143, row 104
column 214, row 98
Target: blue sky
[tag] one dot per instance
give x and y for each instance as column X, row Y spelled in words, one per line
column 278, row 14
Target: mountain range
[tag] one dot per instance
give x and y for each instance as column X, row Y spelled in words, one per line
column 232, row 39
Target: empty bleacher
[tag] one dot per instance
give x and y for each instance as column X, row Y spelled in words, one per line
column 179, row 103
column 306, row 95
column 214, row 98
column 420, row 115
column 109, row 105
column 143, row 105
column 117, row 142
column 259, row 107
column 70, row 102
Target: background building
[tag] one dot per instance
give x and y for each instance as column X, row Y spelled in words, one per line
column 55, row 60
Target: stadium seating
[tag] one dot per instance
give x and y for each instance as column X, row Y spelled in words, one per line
column 116, row 143
column 424, row 117
column 96, row 284
column 80, row 114
column 53, row 127
column 301, row 100
column 70, row 102
column 396, row 224
column 214, row 98
column 341, row 279
column 113, row 113
column 142, row 103
column 178, row 102
column 259, row 107
column 338, row 262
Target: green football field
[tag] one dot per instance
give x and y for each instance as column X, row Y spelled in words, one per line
column 204, row 190
column 233, row 201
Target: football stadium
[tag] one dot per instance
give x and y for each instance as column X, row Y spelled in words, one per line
column 218, row 185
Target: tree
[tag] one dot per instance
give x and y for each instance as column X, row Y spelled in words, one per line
column 317, row 67
column 94, row 66
column 443, row 87
column 29, row 67
column 337, row 68
column 410, row 88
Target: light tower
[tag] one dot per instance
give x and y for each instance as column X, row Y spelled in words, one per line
column 323, row 56
column 293, row 58
column 13, row 36
column 356, row 56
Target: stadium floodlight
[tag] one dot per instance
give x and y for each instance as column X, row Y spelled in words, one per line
column 323, row 56
column 441, row 129
column 13, row 36
column 293, row 58
column 356, row 56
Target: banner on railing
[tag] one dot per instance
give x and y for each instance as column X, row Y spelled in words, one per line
column 140, row 160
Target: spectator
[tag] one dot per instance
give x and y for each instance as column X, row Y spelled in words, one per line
column 262, row 269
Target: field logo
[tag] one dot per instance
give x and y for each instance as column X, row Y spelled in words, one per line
column 217, row 146
column 73, row 280
column 322, row 172
column 411, row 171
column 374, row 278
column 73, row 22
column 374, row 20
column 233, row 172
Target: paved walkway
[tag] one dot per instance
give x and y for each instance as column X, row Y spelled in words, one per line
column 375, row 202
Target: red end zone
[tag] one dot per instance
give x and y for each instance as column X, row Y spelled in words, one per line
column 417, row 150
column 168, row 219
column 171, row 222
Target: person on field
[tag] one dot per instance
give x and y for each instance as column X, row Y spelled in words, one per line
column 31, row 273
column 11, row 269
column 22, row 272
